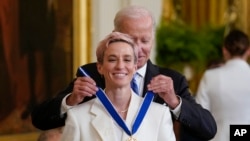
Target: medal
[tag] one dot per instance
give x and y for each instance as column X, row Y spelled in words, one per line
column 139, row 118
column 113, row 113
column 131, row 139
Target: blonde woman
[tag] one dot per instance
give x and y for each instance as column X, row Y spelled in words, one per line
column 119, row 115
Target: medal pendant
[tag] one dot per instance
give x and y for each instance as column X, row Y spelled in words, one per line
column 131, row 139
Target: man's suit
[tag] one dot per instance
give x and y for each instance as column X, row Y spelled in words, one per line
column 90, row 121
column 192, row 114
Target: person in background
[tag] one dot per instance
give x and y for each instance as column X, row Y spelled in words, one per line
column 171, row 88
column 225, row 90
column 92, row 120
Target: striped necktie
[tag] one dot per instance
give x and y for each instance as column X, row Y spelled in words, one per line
column 134, row 85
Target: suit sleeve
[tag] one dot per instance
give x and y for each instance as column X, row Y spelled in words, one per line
column 202, row 96
column 194, row 118
column 47, row 115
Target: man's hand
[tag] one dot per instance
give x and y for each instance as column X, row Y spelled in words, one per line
column 163, row 86
column 83, row 86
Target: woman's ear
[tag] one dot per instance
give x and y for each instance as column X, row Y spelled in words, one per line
column 99, row 68
column 247, row 54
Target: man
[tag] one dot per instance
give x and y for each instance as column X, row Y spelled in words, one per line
column 170, row 87
column 224, row 90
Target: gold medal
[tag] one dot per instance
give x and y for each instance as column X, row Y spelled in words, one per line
column 131, row 139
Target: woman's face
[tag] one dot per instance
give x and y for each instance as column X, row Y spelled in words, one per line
column 118, row 65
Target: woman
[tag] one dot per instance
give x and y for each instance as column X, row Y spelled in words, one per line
column 94, row 120
column 224, row 90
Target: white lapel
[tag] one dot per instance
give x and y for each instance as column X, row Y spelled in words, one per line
column 102, row 122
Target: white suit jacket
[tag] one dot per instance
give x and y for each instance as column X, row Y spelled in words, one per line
column 225, row 91
column 91, row 122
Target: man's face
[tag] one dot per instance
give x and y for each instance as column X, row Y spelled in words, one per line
column 141, row 31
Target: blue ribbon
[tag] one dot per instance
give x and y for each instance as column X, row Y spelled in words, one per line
column 109, row 107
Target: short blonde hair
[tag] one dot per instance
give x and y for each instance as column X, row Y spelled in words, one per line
column 111, row 38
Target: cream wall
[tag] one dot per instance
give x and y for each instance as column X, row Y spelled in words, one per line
column 103, row 13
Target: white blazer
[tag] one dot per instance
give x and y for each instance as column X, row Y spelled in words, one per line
column 91, row 122
column 225, row 92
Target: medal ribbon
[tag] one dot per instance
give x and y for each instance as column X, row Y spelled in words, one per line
column 110, row 108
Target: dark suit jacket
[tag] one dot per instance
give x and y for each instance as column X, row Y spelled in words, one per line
column 196, row 123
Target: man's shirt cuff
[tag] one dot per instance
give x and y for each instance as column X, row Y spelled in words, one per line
column 177, row 110
column 64, row 106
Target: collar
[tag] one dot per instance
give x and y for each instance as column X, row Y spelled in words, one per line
column 234, row 61
column 142, row 70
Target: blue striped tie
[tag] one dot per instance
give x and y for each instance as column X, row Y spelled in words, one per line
column 134, row 85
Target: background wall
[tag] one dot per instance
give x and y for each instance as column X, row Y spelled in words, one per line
column 36, row 51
